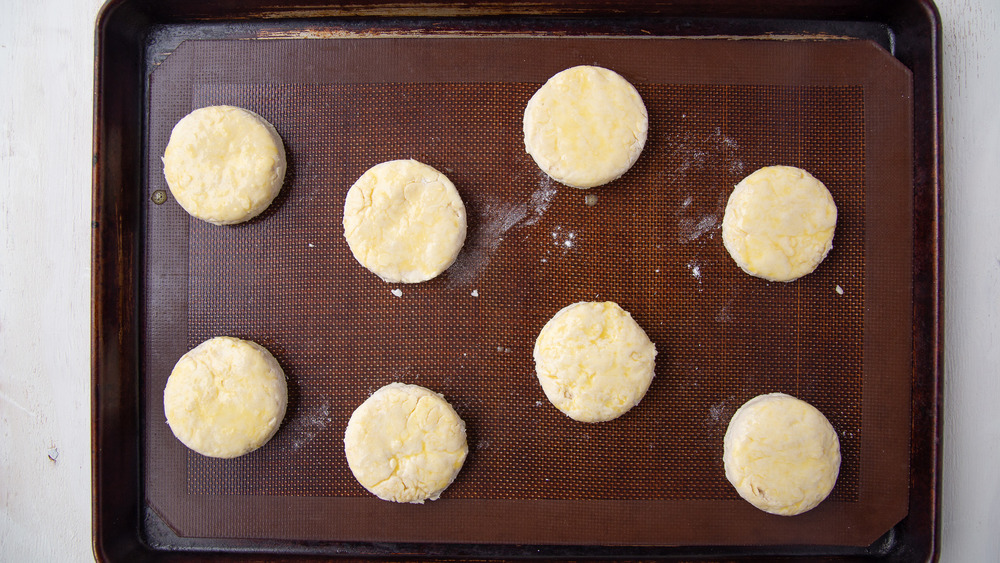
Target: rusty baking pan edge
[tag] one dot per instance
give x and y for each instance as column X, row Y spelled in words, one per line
column 910, row 29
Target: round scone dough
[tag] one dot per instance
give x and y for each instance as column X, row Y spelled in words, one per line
column 594, row 361
column 224, row 164
column 404, row 221
column 779, row 223
column 586, row 126
column 226, row 397
column 781, row 454
column 405, row 443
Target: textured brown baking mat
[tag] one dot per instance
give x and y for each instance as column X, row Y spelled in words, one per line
column 650, row 241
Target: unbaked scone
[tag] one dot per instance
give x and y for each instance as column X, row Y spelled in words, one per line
column 226, row 397
column 779, row 223
column 594, row 361
column 405, row 443
column 404, row 221
column 586, row 126
column 781, row 454
column 224, row 164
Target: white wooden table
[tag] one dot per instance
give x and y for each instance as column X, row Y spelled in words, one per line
column 46, row 94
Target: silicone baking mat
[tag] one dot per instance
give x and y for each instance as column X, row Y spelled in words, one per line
column 649, row 241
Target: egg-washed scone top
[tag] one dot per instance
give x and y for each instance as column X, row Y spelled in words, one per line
column 405, row 443
column 586, row 126
column 781, row 454
column 226, row 397
column 404, row 221
column 224, row 164
column 593, row 361
column 779, row 223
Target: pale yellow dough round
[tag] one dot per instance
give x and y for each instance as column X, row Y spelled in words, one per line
column 779, row 223
column 404, row 221
column 226, row 397
column 405, row 443
column 781, row 454
column 593, row 361
column 224, row 164
column 586, row 126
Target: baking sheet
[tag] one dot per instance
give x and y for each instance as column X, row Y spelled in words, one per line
column 718, row 110
column 134, row 37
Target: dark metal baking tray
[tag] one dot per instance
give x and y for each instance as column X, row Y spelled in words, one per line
column 134, row 37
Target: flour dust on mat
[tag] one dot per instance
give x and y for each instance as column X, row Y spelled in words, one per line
column 305, row 427
column 493, row 222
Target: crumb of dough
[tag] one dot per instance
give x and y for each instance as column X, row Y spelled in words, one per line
column 593, row 361
column 405, row 443
column 779, row 223
column 224, row 164
column 586, row 126
column 226, row 397
column 781, row 454
column 404, row 221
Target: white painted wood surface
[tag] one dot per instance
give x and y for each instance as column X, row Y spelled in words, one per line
column 970, row 527
column 46, row 85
